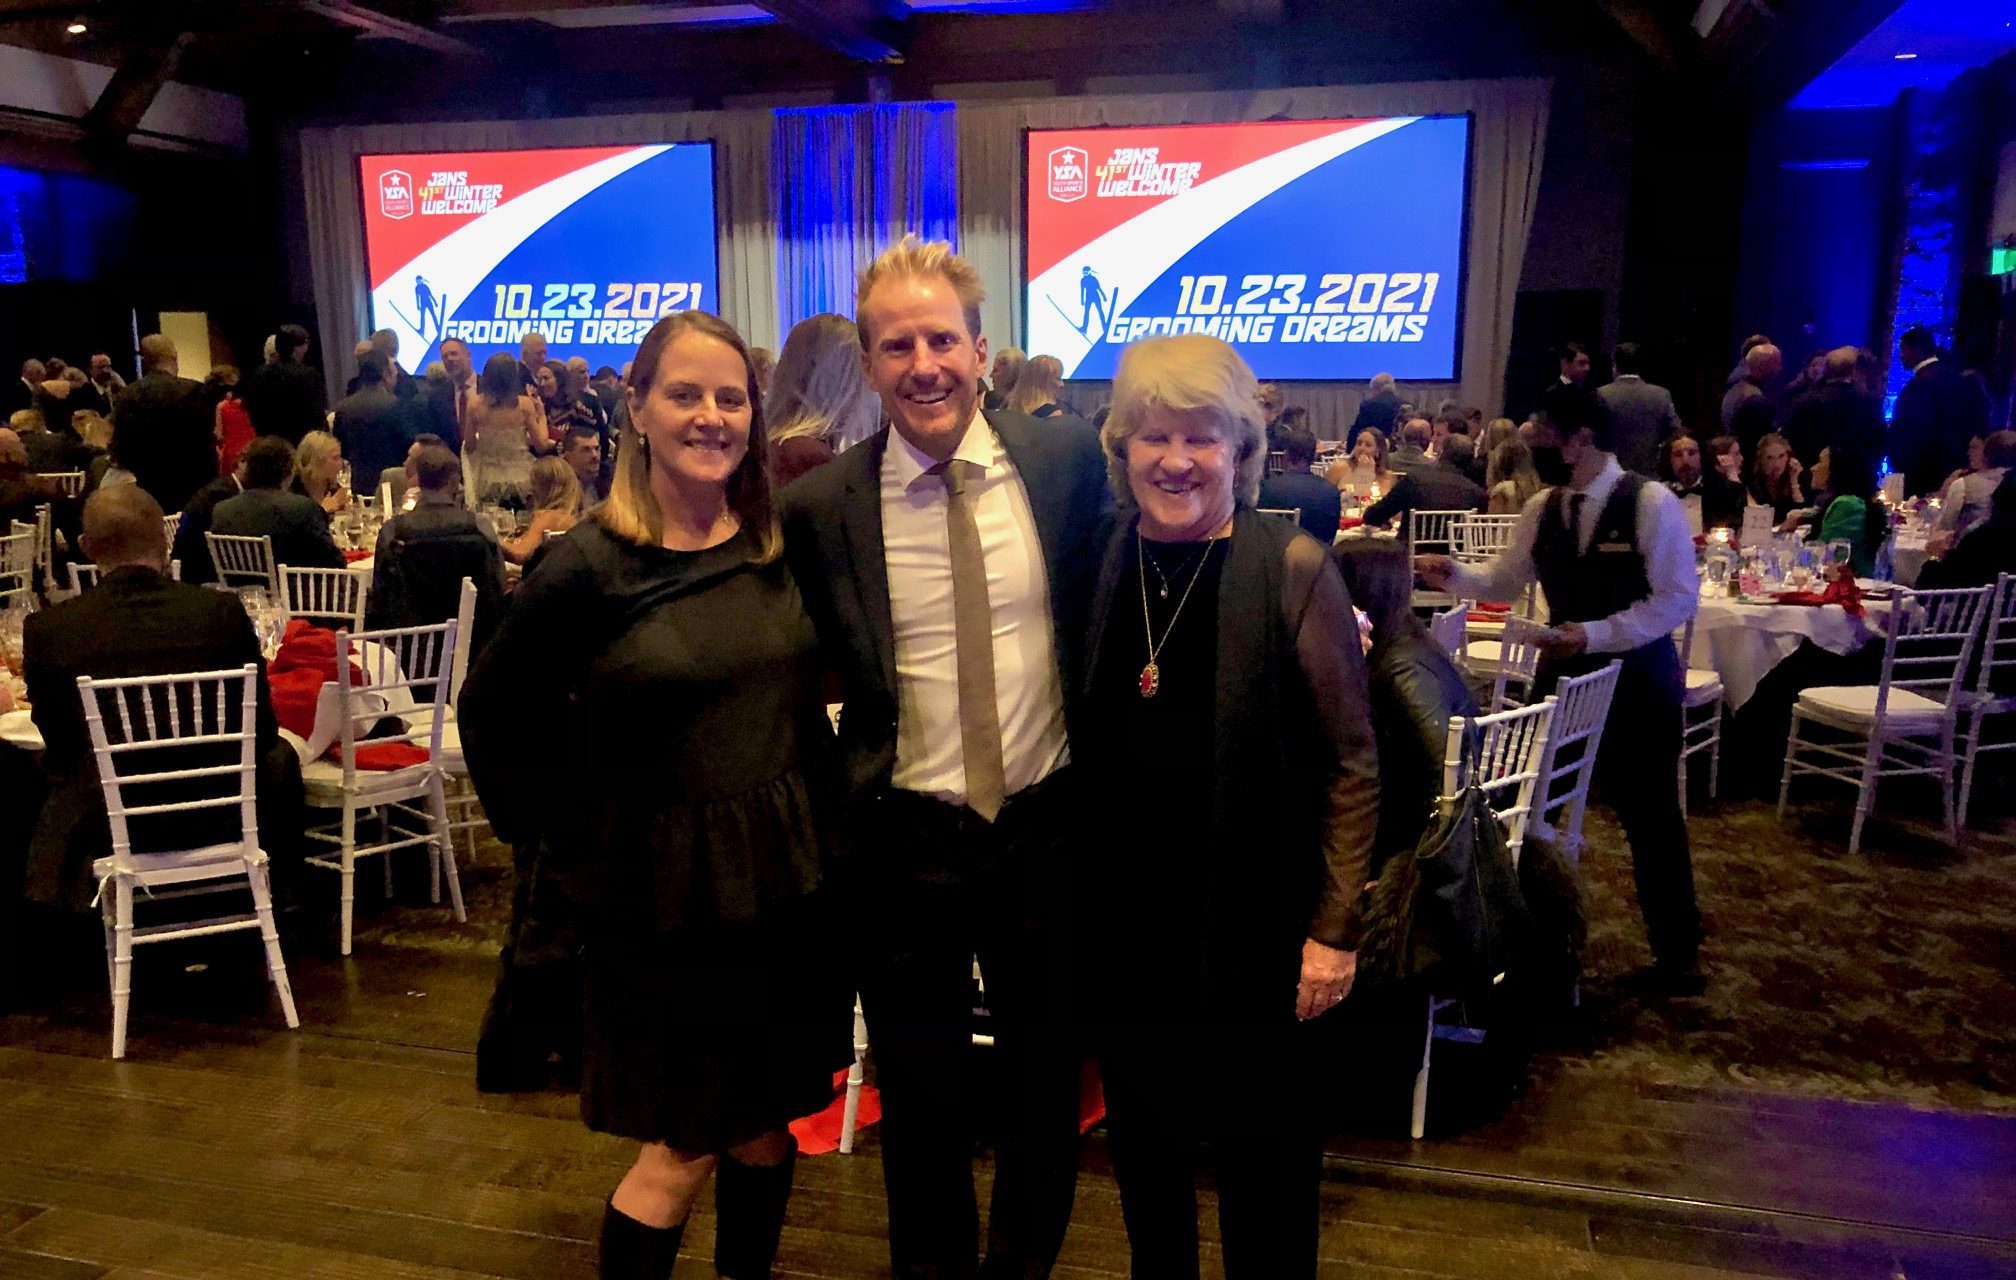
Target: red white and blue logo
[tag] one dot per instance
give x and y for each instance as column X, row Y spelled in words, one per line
column 1320, row 249
column 588, row 245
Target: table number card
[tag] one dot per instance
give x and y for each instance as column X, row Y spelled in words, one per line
column 1757, row 525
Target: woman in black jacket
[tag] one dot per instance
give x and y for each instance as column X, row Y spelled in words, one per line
column 1415, row 690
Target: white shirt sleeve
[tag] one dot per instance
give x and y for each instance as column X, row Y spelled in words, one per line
column 1951, row 504
column 1506, row 576
column 1669, row 565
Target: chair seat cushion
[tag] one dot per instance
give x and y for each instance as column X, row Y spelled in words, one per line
column 323, row 780
column 1703, row 688
column 1856, row 705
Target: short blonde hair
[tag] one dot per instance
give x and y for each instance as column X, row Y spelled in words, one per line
column 1186, row 372
column 315, row 447
column 26, row 422
column 914, row 259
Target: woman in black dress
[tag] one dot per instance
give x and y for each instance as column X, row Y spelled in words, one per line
column 712, row 1013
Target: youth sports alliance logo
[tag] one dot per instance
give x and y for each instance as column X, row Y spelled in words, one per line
column 395, row 193
column 1070, row 174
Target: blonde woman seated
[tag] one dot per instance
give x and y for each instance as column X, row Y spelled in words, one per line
column 820, row 402
column 1509, row 478
column 318, row 468
column 1363, row 470
column 556, row 505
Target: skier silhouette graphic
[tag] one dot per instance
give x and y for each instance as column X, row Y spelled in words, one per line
column 1095, row 300
column 427, row 304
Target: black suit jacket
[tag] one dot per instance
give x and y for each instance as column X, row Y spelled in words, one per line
column 1374, row 411
column 15, row 395
column 375, row 430
column 285, row 399
column 299, row 530
column 1936, row 413
column 189, row 548
column 1434, row 487
column 164, row 432
column 1836, row 413
column 133, row 623
column 832, row 520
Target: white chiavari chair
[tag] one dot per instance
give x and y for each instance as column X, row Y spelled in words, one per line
column 1293, row 515
column 17, row 566
column 1581, row 708
column 331, row 597
column 406, row 673
column 1448, row 628
column 84, row 576
column 178, row 745
column 1700, row 718
column 1903, row 725
column 242, row 561
column 1998, row 657
column 71, row 482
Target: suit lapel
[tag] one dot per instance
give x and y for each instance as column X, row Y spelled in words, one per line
column 861, row 521
column 1049, row 500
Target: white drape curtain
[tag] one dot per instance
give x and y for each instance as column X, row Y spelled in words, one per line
column 1507, row 139
column 746, row 216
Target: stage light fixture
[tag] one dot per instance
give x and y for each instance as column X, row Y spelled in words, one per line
column 1905, row 57
column 77, row 28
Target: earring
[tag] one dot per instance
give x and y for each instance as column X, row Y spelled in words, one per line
column 644, row 443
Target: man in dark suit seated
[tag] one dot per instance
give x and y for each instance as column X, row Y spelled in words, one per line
column 164, row 428
column 423, row 555
column 189, row 546
column 1428, row 485
column 1318, row 500
column 297, row 524
column 138, row 622
column 21, row 490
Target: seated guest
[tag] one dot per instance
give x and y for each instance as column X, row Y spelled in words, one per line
column 1711, row 500
column 1851, row 511
column 299, row 528
column 21, row 490
column 1727, row 455
column 556, row 505
column 1774, row 477
column 318, row 473
column 1509, row 477
column 48, row 451
column 190, row 548
column 1410, row 446
column 1416, row 688
column 1427, row 485
column 1459, row 453
column 137, row 622
column 1295, row 487
column 1968, row 499
column 581, row 450
column 423, row 555
column 1363, row 471
column 373, row 424
column 1989, row 549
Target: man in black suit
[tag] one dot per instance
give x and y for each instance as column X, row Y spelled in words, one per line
column 297, row 524
column 163, row 428
column 423, row 555
column 1377, row 409
column 105, row 386
column 372, row 424
column 137, row 622
column 444, row 404
column 1937, row 412
column 947, row 565
column 1838, row 412
column 189, row 546
column 1428, row 485
column 1295, row 488
column 16, row 396
column 286, row 398
column 531, row 355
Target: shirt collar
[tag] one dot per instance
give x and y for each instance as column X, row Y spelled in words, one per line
column 1605, row 480
column 978, row 446
column 1631, row 376
column 1922, row 363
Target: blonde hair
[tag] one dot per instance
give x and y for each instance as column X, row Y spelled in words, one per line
column 26, row 422
column 1009, row 360
column 631, row 511
column 92, row 428
column 1040, row 382
column 820, row 388
column 315, row 448
column 1185, row 372
column 914, row 259
column 555, row 487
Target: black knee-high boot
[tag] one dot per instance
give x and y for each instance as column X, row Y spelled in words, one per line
column 633, row 1251
column 749, row 1202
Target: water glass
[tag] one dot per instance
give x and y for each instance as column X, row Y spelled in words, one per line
column 1840, row 551
column 13, row 623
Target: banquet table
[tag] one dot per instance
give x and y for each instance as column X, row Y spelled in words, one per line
column 1741, row 641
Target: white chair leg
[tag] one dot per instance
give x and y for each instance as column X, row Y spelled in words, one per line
column 855, row 1074
column 276, row 964
column 444, row 844
column 347, row 868
column 1791, row 751
column 1865, row 799
column 122, row 963
column 385, row 855
column 1683, row 765
column 1715, row 756
column 1970, row 749
column 108, row 897
column 1946, row 785
column 1419, row 1124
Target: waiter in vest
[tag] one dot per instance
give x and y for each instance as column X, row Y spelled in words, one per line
column 1613, row 553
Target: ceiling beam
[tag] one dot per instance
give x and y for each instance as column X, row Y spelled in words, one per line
column 132, row 89
column 1648, row 28
column 374, row 22
column 867, row 30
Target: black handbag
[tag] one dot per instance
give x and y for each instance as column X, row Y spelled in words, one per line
column 1452, row 915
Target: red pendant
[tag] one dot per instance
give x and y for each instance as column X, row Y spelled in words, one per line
column 1151, row 680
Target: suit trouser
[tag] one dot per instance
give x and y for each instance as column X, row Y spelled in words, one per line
column 1269, row 1169
column 941, row 888
column 1638, row 775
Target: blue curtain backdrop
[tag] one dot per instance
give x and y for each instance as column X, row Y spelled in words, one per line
column 849, row 181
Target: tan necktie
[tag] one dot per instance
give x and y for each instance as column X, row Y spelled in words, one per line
column 973, row 623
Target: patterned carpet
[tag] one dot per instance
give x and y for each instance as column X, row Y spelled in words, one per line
column 1885, row 976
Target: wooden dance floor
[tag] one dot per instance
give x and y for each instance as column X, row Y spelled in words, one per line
column 358, row 1147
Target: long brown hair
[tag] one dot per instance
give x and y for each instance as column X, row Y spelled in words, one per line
column 631, row 511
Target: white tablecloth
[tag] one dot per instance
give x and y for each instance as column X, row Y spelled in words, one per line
column 17, row 729
column 1742, row 642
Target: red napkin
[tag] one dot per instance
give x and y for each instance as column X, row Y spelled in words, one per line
column 362, row 553
column 306, row 662
column 1841, row 591
column 1350, row 522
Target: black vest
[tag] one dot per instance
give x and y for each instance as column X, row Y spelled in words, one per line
column 1607, row 579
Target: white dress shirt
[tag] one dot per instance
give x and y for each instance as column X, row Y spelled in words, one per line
column 1028, row 689
column 1663, row 540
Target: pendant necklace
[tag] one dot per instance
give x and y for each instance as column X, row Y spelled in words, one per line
column 1151, row 675
column 1164, row 579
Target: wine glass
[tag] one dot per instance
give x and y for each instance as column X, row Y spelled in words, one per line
column 1840, row 551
